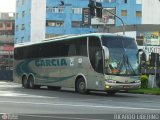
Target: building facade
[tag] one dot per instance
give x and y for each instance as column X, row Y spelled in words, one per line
column 150, row 15
column 39, row 19
column 152, row 12
column 6, row 40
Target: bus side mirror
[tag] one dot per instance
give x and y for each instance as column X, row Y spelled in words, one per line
column 106, row 52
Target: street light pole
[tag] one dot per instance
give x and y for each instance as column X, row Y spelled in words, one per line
column 119, row 19
column 155, row 69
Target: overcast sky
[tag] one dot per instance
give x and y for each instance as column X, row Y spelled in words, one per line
column 7, row 5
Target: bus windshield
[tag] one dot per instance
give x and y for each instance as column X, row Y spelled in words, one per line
column 122, row 56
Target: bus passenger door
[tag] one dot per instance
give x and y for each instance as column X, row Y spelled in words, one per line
column 95, row 72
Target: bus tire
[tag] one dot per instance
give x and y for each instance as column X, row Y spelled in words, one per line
column 81, row 86
column 111, row 92
column 31, row 82
column 25, row 82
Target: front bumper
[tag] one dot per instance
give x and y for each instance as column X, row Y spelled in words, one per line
column 115, row 86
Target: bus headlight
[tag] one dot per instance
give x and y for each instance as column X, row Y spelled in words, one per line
column 137, row 81
column 110, row 81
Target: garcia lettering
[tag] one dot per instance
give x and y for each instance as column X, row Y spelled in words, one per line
column 50, row 62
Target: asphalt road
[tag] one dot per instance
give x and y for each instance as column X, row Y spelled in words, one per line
column 45, row 104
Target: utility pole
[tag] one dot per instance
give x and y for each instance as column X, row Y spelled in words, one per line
column 155, row 68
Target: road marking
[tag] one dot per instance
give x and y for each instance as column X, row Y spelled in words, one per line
column 27, row 96
column 11, row 94
column 59, row 117
column 76, row 105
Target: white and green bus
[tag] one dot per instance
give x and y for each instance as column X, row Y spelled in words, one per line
column 96, row 61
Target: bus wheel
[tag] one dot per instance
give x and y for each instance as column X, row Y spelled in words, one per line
column 111, row 92
column 81, row 86
column 31, row 82
column 25, row 82
column 53, row 88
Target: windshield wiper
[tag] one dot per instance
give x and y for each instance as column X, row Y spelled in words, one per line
column 129, row 65
column 125, row 62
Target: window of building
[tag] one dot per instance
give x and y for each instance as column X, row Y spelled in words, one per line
column 76, row 23
column 16, row 15
column 16, row 40
column 110, row 1
column 23, row 2
column 16, row 27
column 8, row 24
column 51, row 23
column 29, row 23
column 125, row 1
column 22, row 39
column 55, row 23
column 61, row 10
column 138, row 1
column 77, row 10
column 23, row 13
column 51, row 35
column 59, row 24
column 55, row 9
column 124, row 13
column 139, row 13
column 23, row 26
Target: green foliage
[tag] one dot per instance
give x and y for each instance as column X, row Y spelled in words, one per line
column 144, row 81
column 153, row 91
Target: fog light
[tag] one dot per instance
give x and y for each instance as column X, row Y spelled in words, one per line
column 107, row 86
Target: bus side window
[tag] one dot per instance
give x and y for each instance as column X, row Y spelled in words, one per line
column 72, row 50
column 18, row 53
column 81, row 46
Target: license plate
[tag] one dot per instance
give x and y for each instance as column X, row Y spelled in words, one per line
column 125, row 86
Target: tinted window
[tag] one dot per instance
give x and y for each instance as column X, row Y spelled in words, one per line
column 34, row 51
column 65, row 48
column 72, row 50
column 18, row 52
column 95, row 54
column 49, row 50
column 74, row 47
column 81, row 46
column 119, row 42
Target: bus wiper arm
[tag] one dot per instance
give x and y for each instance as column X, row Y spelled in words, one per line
column 129, row 65
column 123, row 63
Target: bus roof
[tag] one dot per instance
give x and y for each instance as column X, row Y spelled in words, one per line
column 63, row 37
